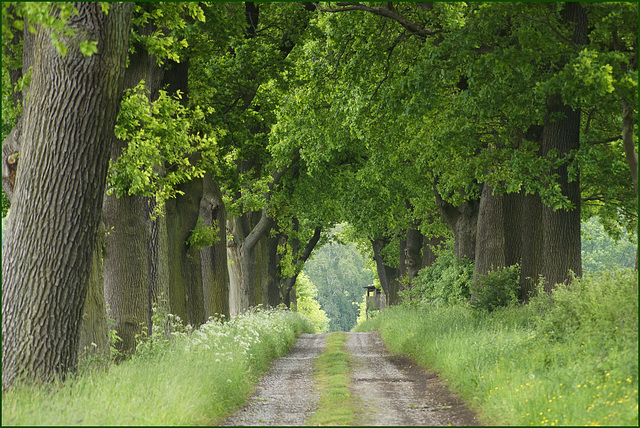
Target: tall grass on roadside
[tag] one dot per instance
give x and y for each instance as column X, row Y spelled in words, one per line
column 197, row 379
column 570, row 358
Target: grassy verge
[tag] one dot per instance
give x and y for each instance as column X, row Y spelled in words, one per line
column 336, row 405
column 197, row 380
column 566, row 359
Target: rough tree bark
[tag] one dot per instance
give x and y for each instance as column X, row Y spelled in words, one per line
column 463, row 221
column 561, row 228
column 186, row 298
column 489, row 237
column 247, row 231
column 275, row 281
column 126, row 265
column 389, row 276
column 215, row 275
column 126, row 259
column 157, row 258
column 513, row 207
column 241, row 251
column 66, row 135
column 429, row 245
column 531, row 267
column 413, row 253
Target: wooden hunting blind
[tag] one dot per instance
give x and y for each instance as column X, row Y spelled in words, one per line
column 374, row 299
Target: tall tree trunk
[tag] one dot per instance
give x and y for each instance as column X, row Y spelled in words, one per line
column 561, row 228
column 241, row 252
column 57, row 202
column 237, row 300
column 185, row 275
column 490, row 237
column 403, row 270
column 274, row 295
column 288, row 285
column 389, row 276
column 531, row 267
column 157, row 259
column 462, row 220
column 247, row 231
column 215, row 275
column 429, row 247
column 513, row 207
column 127, row 276
column 413, row 253
column 261, row 275
column 238, row 266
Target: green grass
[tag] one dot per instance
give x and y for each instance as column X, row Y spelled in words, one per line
column 566, row 359
column 333, row 378
column 197, row 380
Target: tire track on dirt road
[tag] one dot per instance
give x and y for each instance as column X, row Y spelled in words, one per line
column 286, row 395
column 397, row 392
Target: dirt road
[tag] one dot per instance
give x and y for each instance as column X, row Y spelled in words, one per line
column 393, row 390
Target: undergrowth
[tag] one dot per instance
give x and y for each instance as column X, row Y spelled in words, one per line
column 569, row 358
column 195, row 379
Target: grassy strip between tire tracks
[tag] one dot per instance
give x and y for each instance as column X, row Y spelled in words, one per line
column 333, row 377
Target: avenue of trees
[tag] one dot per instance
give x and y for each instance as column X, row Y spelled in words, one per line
column 198, row 152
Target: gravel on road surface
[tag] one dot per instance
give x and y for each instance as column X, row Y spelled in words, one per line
column 286, row 395
column 392, row 390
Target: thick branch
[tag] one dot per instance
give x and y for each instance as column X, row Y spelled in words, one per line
column 382, row 11
column 308, row 249
column 603, row 141
column 264, row 225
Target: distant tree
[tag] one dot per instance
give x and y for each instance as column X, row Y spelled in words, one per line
column 339, row 271
column 602, row 252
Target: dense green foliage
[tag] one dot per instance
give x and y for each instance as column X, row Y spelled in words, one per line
column 498, row 288
column 447, row 281
column 158, row 132
column 197, row 380
column 306, row 295
column 570, row 358
column 339, row 272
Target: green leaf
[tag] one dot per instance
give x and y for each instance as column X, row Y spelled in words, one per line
column 88, row 48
